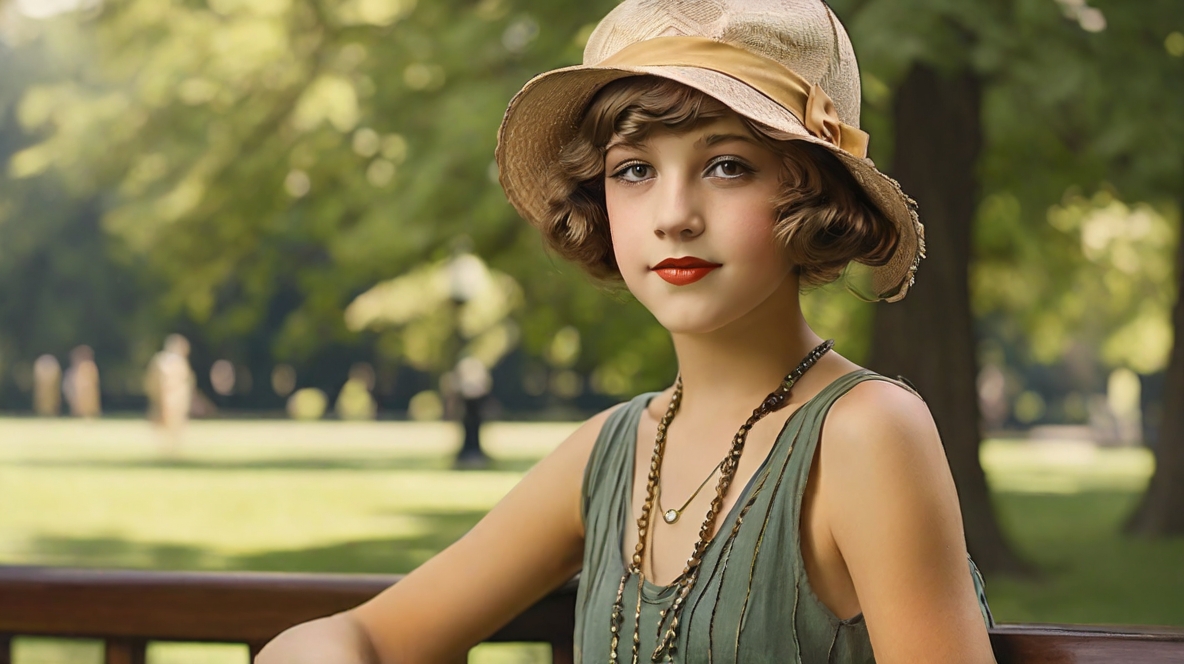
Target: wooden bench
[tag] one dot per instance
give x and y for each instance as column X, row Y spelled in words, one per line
column 127, row 609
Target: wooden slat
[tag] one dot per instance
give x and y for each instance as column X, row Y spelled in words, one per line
column 128, row 608
column 1082, row 644
column 201, row 606
column 126, row 651
column 562, row 653
column 241, row 608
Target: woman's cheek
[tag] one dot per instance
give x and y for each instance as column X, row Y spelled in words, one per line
column 752, row 239
column 627, row 244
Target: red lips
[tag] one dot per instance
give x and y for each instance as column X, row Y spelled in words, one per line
column 685, row 270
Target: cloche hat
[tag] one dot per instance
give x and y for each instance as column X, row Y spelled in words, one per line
column 786, row 64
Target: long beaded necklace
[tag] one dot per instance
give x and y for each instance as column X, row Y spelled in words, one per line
column 690, row 574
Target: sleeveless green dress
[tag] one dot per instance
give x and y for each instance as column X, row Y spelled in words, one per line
column 752, row 602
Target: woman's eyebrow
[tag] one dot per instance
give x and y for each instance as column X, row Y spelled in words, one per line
column 622, row 142
column 711, row 139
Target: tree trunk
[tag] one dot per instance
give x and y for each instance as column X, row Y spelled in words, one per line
column 929, row 336
column 1161, row 511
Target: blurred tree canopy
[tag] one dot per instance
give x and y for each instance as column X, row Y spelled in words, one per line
column 268, row 161
column 1018, row 99
column 1081, row 165
column 1031, row 102
column 60, row 273
column 249, row 167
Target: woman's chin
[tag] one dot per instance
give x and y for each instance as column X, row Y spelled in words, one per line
column 689, row 322
column 687, row 312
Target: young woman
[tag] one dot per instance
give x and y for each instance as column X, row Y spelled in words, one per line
column 792, row 507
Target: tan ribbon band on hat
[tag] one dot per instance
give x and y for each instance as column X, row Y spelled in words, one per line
column 808, row 102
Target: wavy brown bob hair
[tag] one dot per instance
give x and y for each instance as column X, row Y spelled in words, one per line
column 824, row 218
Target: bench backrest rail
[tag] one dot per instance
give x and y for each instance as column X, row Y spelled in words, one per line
column 127, row 609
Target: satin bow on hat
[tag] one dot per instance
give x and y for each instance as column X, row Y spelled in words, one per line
column 808, row 102
column 822, row 120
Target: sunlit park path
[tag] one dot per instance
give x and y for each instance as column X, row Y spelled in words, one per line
column 380, row 497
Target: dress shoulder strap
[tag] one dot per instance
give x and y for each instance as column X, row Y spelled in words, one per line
column 843, row 384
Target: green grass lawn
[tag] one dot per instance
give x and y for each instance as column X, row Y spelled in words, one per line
column 379, row 497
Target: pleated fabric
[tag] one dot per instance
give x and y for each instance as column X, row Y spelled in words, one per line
column 752, row 602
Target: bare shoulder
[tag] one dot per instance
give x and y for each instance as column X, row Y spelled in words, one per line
column 878, row 420
column 880, row 449
column 889, row 503
column 528, row 544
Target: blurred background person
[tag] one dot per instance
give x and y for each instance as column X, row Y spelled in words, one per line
column 355, row 401
column 47, row 386
column 81, row 383
column 169, row 385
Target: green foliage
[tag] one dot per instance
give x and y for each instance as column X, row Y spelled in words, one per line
column 1076, row 114
column 1108, row 268
column 264, row 149
column 290, row 153
column 63, row 281
column 1061, row 260
column 444, row 310
column 266, row 161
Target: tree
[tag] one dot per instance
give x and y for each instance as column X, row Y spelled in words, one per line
column 997, row 110
column 937, row 143
column 1092, row 108
column 1161, row 512
column 1144, row 141
column 929, row 336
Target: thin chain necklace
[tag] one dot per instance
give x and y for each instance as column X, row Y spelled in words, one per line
column 686, row 581
column 671, row 515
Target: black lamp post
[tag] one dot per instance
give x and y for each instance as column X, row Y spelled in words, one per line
column 470, row 378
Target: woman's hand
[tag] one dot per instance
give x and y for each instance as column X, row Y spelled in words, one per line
column 336, row 639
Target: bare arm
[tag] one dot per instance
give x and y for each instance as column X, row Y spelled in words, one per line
column 529, row 544
column 893, row 513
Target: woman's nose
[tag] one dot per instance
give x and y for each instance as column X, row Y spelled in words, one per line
column 679, row 212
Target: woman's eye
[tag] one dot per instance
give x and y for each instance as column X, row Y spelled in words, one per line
column 727, row 168
column 633, row 173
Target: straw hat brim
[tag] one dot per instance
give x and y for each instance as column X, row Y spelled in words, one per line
column 545, row 115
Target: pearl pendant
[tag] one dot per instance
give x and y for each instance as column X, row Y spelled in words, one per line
column 670, row 516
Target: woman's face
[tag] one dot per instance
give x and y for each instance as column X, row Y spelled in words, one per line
column 703, row 196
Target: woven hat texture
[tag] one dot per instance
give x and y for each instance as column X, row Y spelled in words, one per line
column 799, row 41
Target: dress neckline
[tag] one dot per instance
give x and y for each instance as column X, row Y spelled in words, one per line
column 659, row 590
